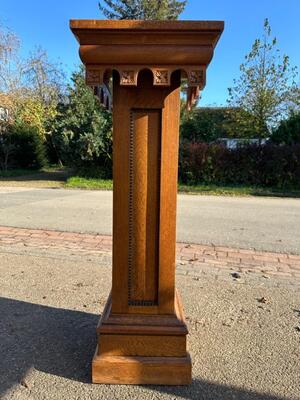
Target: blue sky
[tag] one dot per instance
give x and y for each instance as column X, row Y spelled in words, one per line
column 45, row 23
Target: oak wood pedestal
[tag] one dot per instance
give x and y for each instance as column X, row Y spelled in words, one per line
column 142, row 332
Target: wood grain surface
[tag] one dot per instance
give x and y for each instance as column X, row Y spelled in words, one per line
column 142, row 370
column 142, row 332
column 145, row 142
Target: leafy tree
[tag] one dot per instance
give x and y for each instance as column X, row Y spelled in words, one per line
column 207, row 124
column 35, row 113
column 142, row 9
column 43, row 79
column 83, row 129
column 263, row 91
column 32, row 87
column 43, row 89
column 33, row 76
column 288, row 131
column 295, row 99
column 11, row 67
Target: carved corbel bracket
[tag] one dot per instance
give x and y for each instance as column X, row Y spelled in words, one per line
column 196, row 82
column 98, row 79
column 161, row 76
column 196, row 76
column 97, row 76
column 128, row 76
column 94, row 76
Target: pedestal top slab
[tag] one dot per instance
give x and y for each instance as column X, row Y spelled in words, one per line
column 213, row 28
column 146, row 42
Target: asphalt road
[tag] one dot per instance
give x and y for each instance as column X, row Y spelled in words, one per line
column 271, row 224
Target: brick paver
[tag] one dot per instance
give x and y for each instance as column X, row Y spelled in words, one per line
column 189, row 256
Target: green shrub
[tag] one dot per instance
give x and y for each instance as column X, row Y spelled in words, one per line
column 82, row 133
column 22, row 147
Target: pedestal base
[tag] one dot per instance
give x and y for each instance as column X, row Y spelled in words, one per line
column 141, row 370
column 142, row 349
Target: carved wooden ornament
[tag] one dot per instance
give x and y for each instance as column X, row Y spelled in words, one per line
column 142, row 332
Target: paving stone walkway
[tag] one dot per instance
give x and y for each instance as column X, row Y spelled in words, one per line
column 191, row 258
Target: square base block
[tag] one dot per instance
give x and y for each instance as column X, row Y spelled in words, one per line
column 142, row 349
column 141, row 370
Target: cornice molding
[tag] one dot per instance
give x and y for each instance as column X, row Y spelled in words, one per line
column 160, row 46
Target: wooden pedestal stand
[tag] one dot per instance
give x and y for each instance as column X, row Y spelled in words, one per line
column 142, row 332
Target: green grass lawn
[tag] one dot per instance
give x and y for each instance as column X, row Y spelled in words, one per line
column 63, row 178
column 79, row 182
column 219, row 190
column 103, row 184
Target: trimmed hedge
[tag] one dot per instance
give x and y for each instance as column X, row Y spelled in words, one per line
column 267, row 165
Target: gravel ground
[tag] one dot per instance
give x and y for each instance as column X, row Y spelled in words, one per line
column 50, row 304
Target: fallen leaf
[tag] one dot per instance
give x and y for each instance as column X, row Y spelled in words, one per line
column 262, row 300
column 24, row 383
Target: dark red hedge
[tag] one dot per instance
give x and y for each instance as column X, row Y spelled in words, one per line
column 266, row 165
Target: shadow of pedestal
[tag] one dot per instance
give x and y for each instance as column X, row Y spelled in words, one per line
column 56, row 341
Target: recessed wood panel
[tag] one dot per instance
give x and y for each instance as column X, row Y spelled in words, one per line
column 144, row 193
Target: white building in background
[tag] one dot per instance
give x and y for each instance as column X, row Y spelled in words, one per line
column 233, row 143
column 3, row 114
column 223, row 118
